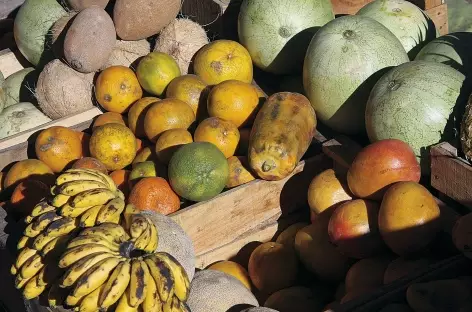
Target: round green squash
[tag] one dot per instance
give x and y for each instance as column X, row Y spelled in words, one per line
column 416, row 103
column 405, row 20
column 345, row 59
column 32, row 28
column 453, row 49
column 277, row 33
column 18, row 87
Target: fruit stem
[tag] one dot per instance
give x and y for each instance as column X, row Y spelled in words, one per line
column 268, row 165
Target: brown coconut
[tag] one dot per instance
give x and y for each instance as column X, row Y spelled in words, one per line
column 62, row 91
column 126, row 53
column 181, row 39
column 83, row 4
column 58, row 33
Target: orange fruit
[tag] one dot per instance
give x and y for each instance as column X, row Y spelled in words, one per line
column 224, row 134
column 223, row 60
column 90, row 163
column 136, row 115
column 170, row 141
column 57, row 147
column 155, row 71
column 167, row 114
column 28, row 169
column 191, row 90
column 139, row 145
column 234, row 269
column 26, row 195
column 326, row 191
column 154, row 193
column 116, row 88
column 239, row 171
column 108, row 117
column 234, row 101
column 121, row 179
column 145, row 154
column 85, row 140
column 114, row 145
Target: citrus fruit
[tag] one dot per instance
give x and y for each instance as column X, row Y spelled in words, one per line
column 223, row 134
column 155, row 71
column 239, row 172
column 117, row 88
column 234, row 101
column 198, row 171
column 223, row 60
column 190, row 89
column 108, row 117
column 154, row 193
column 85, row 140
column 145, row 154
column 167, row 114
column 170, row 141
column 33, row 169
column 57, row 147
column 142, row 170
column 90, row 163
column 136, row 115
column 121, row 179
column 234, row 269
column 26, row 195
column 114, row 145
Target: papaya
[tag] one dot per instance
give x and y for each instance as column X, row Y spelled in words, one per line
column 281, row 134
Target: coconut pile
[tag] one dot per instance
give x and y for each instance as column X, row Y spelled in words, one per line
column 69, row 44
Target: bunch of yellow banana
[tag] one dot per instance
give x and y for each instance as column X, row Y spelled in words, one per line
column 88, row 195
column 105, row 268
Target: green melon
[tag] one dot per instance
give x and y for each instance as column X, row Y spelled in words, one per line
column 32, row 28
column 405, row 20
column 19, row 87
column 453, row 49
column 198, row 171
column 344, row 60
column 277, row 33
column 416, row 102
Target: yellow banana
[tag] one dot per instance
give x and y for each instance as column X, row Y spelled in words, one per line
column 182, row 282
column 29, row 218
column 40, row 223
column 13, row 269
column 154, row 238
column 105, row 178
column 93, row 239
column 138, row 225
column 60, row 200
column 172, row 305
column 20, row 282
column 139, row 282
column 23, row 256
column 74, row 188
column 162, row 276
column 72, row 301
column 62, row 226
column 120, row 194
column 24, row 242
column 116, row 285
column 72, row 212
column 75, row 271
column 56, row 295
column 42, row 240
column 152, row 301
column 73, row 255
column 78, row 175
column 123, row 304
column 143, row 240
column 33, row 289
column 112, row 230
column 49, row 274
column 130, row 210
column 42, row 207
column 32, row 266
column 89, row 218
column 93, row 197
column 111, row 212
column 90, row 302
column 55, row 247
column 95, row 276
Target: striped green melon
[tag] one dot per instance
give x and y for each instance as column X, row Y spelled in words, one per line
column 277, row 33
column 454, row 49
column 405, row 20
column 32, row 28
column 416, row 103
column 344, row 60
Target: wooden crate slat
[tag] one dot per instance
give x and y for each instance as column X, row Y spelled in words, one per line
column 9, row 63
column 352, row 6
column 439, row 16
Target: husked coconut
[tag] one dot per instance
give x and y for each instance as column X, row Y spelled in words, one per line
column 62, row 91
column 181, row 39
column 126, row 53
column 60, row 25
column 20, row 117
column 83, row 4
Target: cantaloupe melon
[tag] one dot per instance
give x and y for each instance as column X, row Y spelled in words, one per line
column 277, row 33
column 20, row 117
column 344, row 60
column 18, row 87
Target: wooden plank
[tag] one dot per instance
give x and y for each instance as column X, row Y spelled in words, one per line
column 9, row 63
column 450, row 174
column 439, row 16
column 351, row 7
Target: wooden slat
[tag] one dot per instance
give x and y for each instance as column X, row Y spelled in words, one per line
column 352, row 6
column 9, row 63
column 450, row 174
column 439, row 16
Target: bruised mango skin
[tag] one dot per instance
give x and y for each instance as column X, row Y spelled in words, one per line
column 281, row 134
